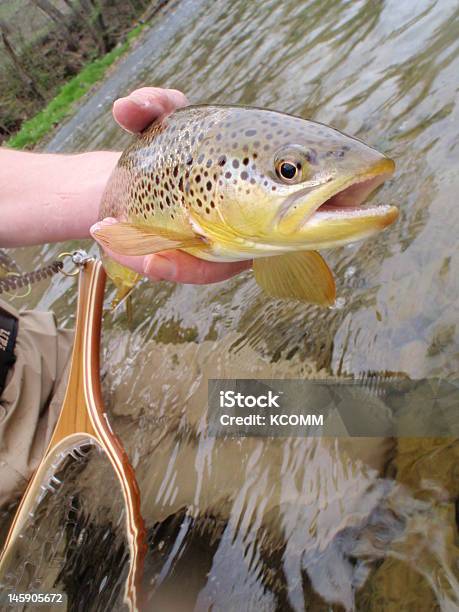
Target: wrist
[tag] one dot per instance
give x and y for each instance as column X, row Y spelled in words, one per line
column 51, row 198
column 81, row 194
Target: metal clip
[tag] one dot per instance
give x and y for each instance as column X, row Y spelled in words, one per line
column 79, row 259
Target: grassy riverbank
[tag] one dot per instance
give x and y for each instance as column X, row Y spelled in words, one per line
column 62, row 105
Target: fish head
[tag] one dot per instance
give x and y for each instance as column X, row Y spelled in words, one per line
column 286, row 181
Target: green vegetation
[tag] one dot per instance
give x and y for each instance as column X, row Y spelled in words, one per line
column 33, row 130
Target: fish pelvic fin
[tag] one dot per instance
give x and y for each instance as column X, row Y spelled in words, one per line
column 131, row 239
column 302, row 276
column 123, row 294
column 123, row 278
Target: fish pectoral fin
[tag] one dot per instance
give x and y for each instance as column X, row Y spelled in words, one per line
column 301, row 276
column 131, row 239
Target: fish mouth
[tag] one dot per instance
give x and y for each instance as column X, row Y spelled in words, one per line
column 350, row 198
column 339, row 213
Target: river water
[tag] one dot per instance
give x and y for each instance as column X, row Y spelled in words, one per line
column 295, row 524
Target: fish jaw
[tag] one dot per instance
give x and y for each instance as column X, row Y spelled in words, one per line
column 336, row 214
column 328, row 229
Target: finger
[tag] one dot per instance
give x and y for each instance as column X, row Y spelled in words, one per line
column 145, row 105
column 178, row 266
column 182, row 267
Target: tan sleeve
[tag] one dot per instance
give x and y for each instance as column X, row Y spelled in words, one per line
column 29, row 405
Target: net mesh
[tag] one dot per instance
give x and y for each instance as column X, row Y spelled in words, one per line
column 74, row 538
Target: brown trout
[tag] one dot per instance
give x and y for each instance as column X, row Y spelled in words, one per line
column 228, row 183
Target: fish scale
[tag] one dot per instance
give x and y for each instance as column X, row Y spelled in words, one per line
column 228, row 183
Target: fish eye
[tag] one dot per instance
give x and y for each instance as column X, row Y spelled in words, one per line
column 291, row 164
column 288, row 170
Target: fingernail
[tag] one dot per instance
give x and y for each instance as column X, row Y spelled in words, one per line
column 141, row 101
column 160, row 267
column 178, row 98
column 101, row 224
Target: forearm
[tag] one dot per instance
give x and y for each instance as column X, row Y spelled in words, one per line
column 49, row 198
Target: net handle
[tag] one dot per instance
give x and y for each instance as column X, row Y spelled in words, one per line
column 83, row 416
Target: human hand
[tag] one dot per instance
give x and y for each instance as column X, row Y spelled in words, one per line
column 134, row 113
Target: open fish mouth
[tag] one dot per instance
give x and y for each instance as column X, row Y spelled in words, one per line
column 337, row 214
column 350, row 201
